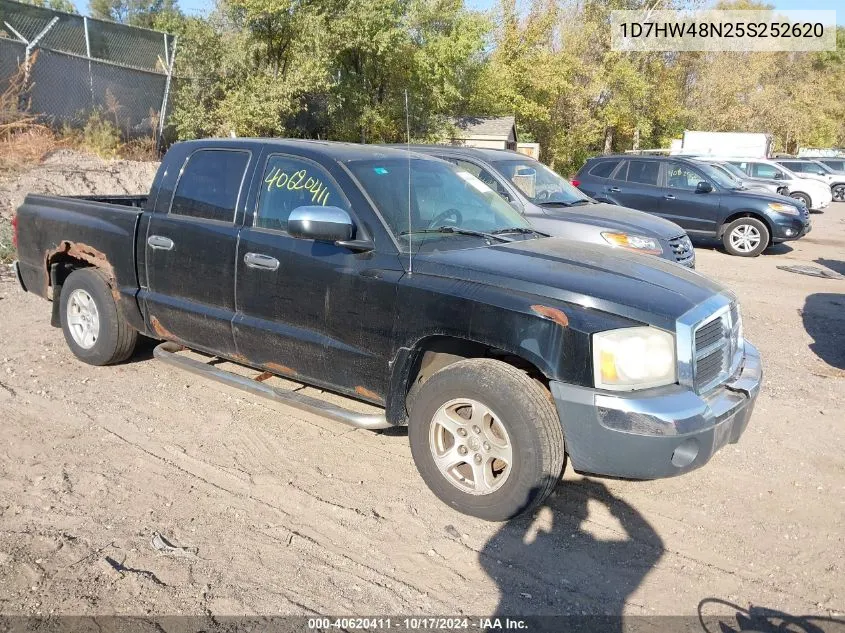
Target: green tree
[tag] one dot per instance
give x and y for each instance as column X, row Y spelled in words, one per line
column 133, row 12
column 58, row 5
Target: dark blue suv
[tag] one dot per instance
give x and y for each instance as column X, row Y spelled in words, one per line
column 699, row 198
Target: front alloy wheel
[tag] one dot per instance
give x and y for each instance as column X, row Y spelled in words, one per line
column 745, row 238
column 838, row 193
column 471, row 447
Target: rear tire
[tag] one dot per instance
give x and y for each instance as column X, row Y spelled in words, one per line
column 95, row 330
column 502, row 453
column 746, row 237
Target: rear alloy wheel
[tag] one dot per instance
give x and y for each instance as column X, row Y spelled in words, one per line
column 746, row 237
column 486, row 438
column 94, row 327
column 838, row 193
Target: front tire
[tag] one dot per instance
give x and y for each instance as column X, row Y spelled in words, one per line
column 803, row 197
column 746, row 237
column 94, row 328
column 486, row 439
column 838, row 193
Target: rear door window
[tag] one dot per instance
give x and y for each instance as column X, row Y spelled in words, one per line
column 289, row 183
column 604, row 168
column 643, row 172
column 210, row 185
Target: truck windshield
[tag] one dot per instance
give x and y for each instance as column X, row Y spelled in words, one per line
column 446, row 203
column 540, row 184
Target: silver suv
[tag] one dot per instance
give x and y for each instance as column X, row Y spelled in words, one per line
column 554, row 206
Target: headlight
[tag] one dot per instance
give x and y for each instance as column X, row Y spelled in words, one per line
column 638, row 243
column 786, row 209
column 633, row 358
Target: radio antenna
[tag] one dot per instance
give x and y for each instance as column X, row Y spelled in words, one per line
column 408, row 148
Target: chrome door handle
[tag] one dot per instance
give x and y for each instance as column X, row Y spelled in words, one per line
column 614, row 189
column 160, row 242
column 669, row 197
column 264, row 262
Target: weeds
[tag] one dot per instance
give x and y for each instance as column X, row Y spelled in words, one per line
column 7, row 249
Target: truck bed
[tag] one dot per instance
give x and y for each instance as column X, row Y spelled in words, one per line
column 122, row 200
column 100, row 230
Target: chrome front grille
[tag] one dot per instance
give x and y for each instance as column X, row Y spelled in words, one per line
column 682, row 250
column 717, row 348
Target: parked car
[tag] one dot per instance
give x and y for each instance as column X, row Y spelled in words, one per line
column 818, row 171
column 698, row 197
column 399, row 280
column 554, row 206
column 815, row 195
column 769, row 185
column 836, row 164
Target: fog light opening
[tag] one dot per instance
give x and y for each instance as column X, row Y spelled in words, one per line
column 685, row 453
column 790, row 232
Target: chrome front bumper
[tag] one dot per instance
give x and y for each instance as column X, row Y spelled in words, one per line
column 659, row 433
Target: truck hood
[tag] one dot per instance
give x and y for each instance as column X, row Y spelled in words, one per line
column 639, row 287
column 614, row 218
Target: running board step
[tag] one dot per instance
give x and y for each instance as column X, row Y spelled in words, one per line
column 167, row 352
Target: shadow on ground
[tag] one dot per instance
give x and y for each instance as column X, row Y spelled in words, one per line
column 824, row 319
column 562, row 562
column 762, row 620
column 713, row 244
column 835, row 265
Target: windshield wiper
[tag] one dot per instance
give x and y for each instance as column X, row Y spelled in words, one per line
column 580, row 202
column 518, row 229
column 553, row 203
column 452, row 229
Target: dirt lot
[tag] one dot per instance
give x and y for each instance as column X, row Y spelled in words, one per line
column 290, row 513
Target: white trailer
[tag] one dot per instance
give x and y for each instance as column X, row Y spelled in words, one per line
column 740, row 144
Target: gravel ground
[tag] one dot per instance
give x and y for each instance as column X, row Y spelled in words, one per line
column 288, row 513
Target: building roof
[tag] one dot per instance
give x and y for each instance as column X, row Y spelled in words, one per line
column 501, row 126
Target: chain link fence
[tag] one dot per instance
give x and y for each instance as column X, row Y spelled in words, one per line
column 76, row 65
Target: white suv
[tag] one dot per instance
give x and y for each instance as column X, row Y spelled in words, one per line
column 815, row 194
column 817, row 170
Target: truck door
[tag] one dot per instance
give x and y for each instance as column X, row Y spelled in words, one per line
column 190, row 253
column 695, row 211
column 306, row 309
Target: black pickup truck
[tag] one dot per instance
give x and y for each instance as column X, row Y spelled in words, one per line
column 397, row 279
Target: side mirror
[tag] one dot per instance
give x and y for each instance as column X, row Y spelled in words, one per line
column 703, row 187
column 778, row 175
column 323, row 224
